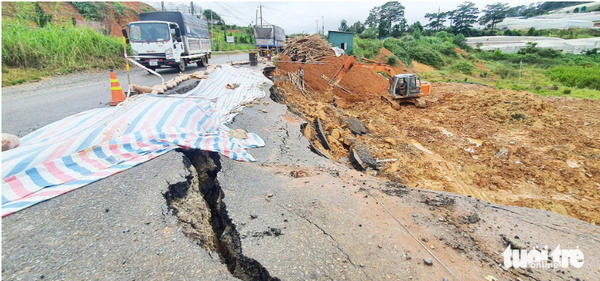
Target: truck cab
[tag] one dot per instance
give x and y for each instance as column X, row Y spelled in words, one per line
column 169, row 39
column 156, row 43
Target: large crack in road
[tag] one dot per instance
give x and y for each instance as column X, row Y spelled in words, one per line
column 203, row 216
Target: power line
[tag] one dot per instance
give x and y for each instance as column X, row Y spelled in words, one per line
column 311, row 16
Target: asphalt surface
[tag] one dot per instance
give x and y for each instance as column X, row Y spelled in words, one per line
column 31, row 106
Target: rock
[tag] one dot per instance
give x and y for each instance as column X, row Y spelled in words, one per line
column 321, row 134
column 354, row 125
column 502, row 153
column 425, row 239
column 473, row 218
column 9, row 141
column 414, row 214
column 515, row 243
column 428, row 261
column 361, row 157
column 237, row 133
column 390, row 141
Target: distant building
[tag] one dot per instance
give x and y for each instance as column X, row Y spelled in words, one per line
column 342, row 40
column 582, row 8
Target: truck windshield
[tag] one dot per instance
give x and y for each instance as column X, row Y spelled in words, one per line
column 149, row 32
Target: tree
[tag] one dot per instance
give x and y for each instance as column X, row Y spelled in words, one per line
column 396, row 31
column 369, row 33
column 384, row 31
column 436, row 20
column 357, row 28
column 416, row 26
column 465, row 17
column 494, row 14
column 403, row 25
column 216, row 19
column 343, row 26
column 390, row 12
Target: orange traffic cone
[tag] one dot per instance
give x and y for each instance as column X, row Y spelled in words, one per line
column 115, row 89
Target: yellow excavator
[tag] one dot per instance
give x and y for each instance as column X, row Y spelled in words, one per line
column 402, row 87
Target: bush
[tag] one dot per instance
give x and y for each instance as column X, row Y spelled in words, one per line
column 89, row 10
column 368, row 48
column 392, row 60
column 575, row 76
column 426, row 55
column 442, row 35
column 446, row 49
column 461, row 42
column 506, row 71
column 465, row 67
column 119, row 8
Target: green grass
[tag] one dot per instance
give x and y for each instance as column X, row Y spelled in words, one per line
column 576, row 76
column 56, row 49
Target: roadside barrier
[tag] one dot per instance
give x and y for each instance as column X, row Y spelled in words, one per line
column 117, row 94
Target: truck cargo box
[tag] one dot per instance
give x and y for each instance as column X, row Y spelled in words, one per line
column 190, row 26
column 269, row 36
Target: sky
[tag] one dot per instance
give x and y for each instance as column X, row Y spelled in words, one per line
column 303, row 16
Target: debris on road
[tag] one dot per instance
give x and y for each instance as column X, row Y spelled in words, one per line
column 9, row 141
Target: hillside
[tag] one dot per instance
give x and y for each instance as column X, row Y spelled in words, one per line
column 105, row 17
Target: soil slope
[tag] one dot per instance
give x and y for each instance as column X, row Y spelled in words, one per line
column 501, row 146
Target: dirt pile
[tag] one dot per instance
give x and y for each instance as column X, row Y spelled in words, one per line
column 501, row 146
column 312, row 47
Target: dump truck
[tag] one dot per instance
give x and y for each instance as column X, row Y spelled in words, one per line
column 268, row 37
column 402, row 87
column 169, row 39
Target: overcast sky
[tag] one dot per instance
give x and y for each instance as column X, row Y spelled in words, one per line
column 302, row 16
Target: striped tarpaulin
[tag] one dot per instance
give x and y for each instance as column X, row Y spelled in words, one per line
column 91, row 145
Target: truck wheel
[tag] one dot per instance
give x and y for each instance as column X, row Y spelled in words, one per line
column 202, row 62
column 151, row 68
column 182, row 65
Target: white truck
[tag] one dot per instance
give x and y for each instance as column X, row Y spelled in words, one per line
column 169, row 39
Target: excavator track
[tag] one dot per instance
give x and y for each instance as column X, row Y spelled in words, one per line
column 419, row 103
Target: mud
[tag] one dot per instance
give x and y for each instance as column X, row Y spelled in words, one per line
column 501, row 146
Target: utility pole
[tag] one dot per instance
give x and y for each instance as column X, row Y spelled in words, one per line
column 323, row 24
column 162, row 4
column 212, row 34
column 261, row 14
column 256, row 21
column 192, row 7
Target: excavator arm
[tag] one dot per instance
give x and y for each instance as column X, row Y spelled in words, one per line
column 352, row 62
column 409, row 90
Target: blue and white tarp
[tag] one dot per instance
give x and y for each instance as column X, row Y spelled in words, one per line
column 91, row 145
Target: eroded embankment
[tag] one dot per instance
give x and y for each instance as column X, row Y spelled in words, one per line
column 203, row 215
column 501, row 146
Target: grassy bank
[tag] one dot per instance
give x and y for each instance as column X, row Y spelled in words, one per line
column 538, row 70
column 29, row 53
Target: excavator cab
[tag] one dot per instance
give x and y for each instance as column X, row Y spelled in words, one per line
column 405, row 86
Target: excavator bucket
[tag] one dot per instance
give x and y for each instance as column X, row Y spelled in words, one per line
column 394, row 105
